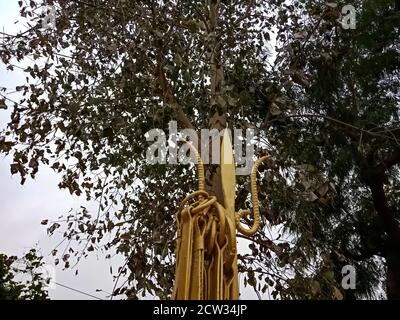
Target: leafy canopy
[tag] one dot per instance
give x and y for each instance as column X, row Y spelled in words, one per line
column 324, row 102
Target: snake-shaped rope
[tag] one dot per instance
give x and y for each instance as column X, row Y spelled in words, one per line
column 253, row 189
column 254, row 198
column 200, row 167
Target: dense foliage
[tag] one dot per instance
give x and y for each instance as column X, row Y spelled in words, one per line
column 324, row 101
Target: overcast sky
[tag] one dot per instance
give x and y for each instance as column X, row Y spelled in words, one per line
column 22, row 208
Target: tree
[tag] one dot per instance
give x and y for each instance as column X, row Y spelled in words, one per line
column 109, row 71
column 32, row 282
column 344, row 89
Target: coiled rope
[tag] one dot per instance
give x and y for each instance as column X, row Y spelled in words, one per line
column 253, row 190
column 254, row 198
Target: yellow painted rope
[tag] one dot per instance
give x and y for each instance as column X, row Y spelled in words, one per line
column 200, row 167
column 253, row 188
column 254, row 197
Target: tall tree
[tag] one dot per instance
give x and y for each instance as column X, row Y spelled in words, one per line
column 342, row 117
column 326, row 107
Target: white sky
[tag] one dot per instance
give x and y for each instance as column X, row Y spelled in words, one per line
column 23, row 207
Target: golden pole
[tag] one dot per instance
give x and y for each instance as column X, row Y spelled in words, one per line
column 206, row 254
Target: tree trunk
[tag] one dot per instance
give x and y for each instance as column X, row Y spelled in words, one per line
column 374, row 178
column 217, row 116
column 393, row 275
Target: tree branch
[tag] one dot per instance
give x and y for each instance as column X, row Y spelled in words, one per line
column 269, row 244
column 342, row 123
column 170, row 100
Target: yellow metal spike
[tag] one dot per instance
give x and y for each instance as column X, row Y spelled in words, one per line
column 228, row 175
column 228, row 182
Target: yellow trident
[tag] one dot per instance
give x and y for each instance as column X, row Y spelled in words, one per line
column 206, row 253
